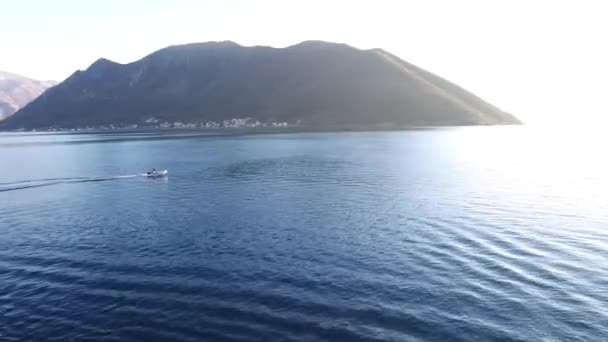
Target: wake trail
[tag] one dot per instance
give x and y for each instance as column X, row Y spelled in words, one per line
column 37, row 183
column 43, row 180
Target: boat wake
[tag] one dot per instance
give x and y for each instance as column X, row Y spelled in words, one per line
column 37, row 183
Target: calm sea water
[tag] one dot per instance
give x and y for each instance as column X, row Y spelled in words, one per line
column 469, row 234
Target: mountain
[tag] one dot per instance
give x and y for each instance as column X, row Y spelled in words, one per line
column 16, row 91
column 313, row 84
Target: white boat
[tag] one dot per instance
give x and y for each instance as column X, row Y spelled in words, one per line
column 157, row 174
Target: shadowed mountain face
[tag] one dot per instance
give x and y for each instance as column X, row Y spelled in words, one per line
column 317, row 84
column 16, row 91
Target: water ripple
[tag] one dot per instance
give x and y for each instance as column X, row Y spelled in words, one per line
column 335, row 237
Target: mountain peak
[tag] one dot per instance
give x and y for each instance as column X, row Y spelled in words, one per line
column 315, row 44
column 102, row 63
column 201, row 45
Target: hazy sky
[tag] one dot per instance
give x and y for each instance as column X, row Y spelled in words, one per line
column 540, row 60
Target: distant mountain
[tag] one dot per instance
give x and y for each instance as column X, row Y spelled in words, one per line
column 16, row 91
column 312, row 84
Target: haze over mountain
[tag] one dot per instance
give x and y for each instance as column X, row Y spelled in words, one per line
column 312, row 84
column 16, row 91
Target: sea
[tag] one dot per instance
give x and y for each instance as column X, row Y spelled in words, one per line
column 446, row 234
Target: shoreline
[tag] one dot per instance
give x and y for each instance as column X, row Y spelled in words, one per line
column 244, row 130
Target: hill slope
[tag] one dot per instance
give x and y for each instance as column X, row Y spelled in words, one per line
column 16, row 91
column 316, row 84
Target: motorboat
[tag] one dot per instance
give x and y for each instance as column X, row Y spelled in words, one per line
column 156, row 174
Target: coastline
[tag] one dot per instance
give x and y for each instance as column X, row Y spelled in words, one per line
column 245, row 130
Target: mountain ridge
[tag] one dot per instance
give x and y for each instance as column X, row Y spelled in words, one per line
column 313, row 84
column 16, row 91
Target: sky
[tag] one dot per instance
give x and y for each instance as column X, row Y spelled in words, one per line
column 544, row 61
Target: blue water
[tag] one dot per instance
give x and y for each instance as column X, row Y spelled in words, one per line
column 468, row 234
